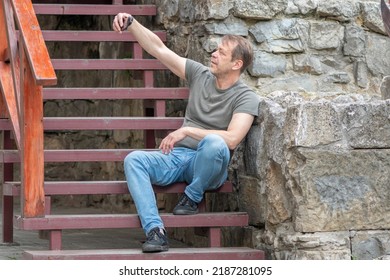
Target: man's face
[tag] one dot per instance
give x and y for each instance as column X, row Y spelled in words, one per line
column 221, row 59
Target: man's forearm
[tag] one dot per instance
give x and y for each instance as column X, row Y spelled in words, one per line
column 235, row 133
column 148, row 40
column 199, row 134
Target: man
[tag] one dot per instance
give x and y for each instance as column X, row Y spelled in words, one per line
column 219, row 114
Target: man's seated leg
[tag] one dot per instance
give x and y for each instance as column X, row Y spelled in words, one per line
column 208, row 170
column 142, row 169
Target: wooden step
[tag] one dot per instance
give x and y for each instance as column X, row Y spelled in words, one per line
column 83, row 9
column 115, row 93
column 111, row 123
column 92, row 36
column 96, row 221
column 105, row 123
column 221, row 253
column 108, row 64
column 99, row 187
column 90, row 155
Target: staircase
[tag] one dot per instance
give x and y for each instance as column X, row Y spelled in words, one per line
column 35, row 193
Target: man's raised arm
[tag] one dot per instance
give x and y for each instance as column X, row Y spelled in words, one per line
column 151, row 43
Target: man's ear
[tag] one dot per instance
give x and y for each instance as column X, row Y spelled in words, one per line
column 237, row 64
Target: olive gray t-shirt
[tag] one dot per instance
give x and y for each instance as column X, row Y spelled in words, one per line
column 211, row 108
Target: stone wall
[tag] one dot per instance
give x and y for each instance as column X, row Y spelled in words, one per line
column 313, row 173
column 306, row 46
column 320, row 168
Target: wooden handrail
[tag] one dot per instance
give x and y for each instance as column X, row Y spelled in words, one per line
column 25, row 67
column 33, row 42
column 10, row 71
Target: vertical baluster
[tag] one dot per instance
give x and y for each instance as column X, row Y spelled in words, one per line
column 8, row 201
column 33, row 196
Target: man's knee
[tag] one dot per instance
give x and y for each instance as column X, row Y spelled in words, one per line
column 132, row 159
column 214, row 146
column 215, row 141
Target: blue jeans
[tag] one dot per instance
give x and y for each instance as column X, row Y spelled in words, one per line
column 203, row 169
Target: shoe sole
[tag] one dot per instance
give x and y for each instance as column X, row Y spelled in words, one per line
column 155, row 249
column 185, row 212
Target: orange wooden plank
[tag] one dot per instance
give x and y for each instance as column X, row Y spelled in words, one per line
column 3, row 37
column 36, row 51
column 8, row 102
column 3, row 50
column 8, row 95
column 12, row 50
column 33, row 196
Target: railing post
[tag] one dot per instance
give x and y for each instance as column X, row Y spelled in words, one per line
column 32, row 169
column 36, row 71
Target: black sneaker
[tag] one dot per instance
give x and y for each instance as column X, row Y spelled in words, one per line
column 185, row 206
column 156, row 241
